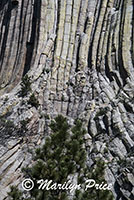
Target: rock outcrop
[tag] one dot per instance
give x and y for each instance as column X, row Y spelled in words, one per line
column 79, row 55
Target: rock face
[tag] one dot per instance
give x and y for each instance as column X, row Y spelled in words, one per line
column 80, row 58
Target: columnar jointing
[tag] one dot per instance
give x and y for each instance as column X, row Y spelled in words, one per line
column 20, row 25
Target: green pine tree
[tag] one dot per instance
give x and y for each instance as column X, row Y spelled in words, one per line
column 63, row 154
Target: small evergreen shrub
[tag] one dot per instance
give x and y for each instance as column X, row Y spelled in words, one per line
column 101, row 112
column 6, row 99
column 23, row 126
column 47, row 70
column 33, row 101
column 25, row 86
column 7, row 125
column 62, row 98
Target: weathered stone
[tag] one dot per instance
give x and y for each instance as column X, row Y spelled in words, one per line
column 118, row 148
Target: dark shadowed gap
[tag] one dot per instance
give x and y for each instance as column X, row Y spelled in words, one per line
column 19, row 37
column 118, row 192
column 92, row 39
column 85, row 25
column 22, row 35
column 6, row 22
column 34, row 35
column 122, row 70
column 12, row 41
column 128, row 107
column 107, row 71
column 3, row 3
column 14, row 2
column 100, row 36
column 105, row 120
column 116, row 78
column 132, row 37
column 77, row 55
column 57, row 24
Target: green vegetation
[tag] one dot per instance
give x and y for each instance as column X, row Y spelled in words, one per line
column 96, row 173
column 101, row 112
column 6, row 125
column 47, row 116
column 8, row 128
column 15, row 193
column 64, row 154
column 62, row 98
column 33, row 101
column 23, row 126
column 25, row 86
column 6, row 99
column 47, row 71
